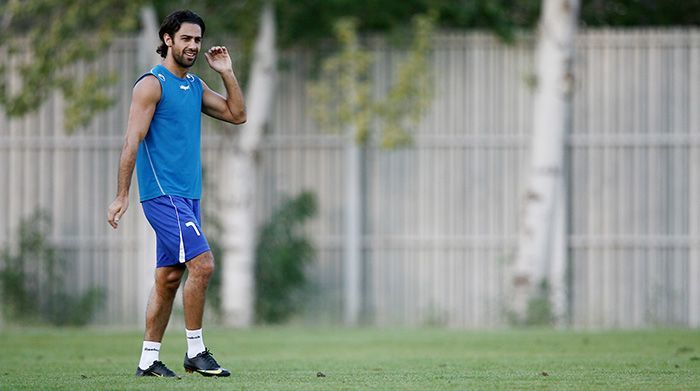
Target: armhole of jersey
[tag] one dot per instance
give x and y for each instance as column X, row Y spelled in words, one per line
column 160, row 83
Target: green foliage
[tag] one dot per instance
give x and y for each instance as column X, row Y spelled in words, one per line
column 214, row 288
column 32, row 281
column 233, row 23
column 50, row 36
column 309, row 21
column 342, row 96
column 640, row 12
column 412, row 91
column 86, row 99
column 282, row 253
column 306, row 23
column 214, row 231
column 53, row 35
column 539, row 311
column 63, row 309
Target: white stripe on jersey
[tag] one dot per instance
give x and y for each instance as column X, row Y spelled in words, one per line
column 148, row 153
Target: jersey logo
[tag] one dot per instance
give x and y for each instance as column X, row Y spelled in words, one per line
column 191, row 224
column 190, row 77
column 184, row 87
column 161, row 77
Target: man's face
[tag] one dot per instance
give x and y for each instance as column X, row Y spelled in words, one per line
column 186, row 44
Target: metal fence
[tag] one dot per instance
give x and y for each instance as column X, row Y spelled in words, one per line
column 634, row 180
column 441, row 216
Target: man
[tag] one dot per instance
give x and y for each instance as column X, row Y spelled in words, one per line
column 163, row 142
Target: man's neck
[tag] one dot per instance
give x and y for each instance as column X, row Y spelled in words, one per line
column 175, row 68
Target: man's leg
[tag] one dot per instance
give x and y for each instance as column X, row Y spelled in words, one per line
column 198, row 358
column 199, row 270
column 160, row 305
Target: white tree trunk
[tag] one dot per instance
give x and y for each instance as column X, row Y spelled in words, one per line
column 541, row 250
column 238, row 183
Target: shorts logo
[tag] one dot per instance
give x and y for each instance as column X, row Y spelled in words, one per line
column 191, row 224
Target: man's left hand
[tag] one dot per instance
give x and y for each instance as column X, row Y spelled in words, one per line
column 218, row 59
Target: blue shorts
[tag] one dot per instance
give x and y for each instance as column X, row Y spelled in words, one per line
column 177, row 222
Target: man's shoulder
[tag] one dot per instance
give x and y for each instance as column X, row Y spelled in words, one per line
column 147, row 87
column 147, row 79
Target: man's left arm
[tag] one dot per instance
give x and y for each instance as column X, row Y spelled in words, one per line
column 232, row 107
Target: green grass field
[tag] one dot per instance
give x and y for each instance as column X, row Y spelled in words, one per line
column 291, row 358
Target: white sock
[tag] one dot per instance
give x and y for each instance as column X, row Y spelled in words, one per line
column 195, row 342
column 149, row 354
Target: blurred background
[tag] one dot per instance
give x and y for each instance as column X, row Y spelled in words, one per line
column 386, row 175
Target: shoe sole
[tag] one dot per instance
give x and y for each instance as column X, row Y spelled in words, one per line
column 204, row 372
column 157, row 375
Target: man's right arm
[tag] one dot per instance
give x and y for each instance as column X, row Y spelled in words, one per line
column 144, row 99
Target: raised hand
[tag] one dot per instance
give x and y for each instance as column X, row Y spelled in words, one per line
column 218, row 59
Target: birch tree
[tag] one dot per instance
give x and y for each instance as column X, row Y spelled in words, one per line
column 541, row 260
column 238, row 191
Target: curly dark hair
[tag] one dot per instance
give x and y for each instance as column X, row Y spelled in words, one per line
column 172, row 23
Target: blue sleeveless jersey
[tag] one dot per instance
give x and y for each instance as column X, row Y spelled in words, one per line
column 169, row 157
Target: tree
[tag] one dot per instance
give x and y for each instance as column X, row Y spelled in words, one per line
column 540, row 264
column 54, row 36
column 343, row 101
column 239, row 194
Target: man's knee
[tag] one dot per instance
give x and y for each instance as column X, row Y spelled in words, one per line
column 202, row 266
column 169, row 278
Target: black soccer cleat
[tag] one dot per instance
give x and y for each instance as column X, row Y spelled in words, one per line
column 157, row 369
column 205, row 364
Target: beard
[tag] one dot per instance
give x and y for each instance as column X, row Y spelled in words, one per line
column 183, row 60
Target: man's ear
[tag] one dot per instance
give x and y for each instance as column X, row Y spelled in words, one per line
column 168, row 40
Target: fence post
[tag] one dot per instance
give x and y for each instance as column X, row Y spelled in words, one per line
column 694, row 187
column 352, row 243
column 146, row 242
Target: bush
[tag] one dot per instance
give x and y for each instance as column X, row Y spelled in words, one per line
column 539, row 309
column 32, row 281
column 282, row 253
